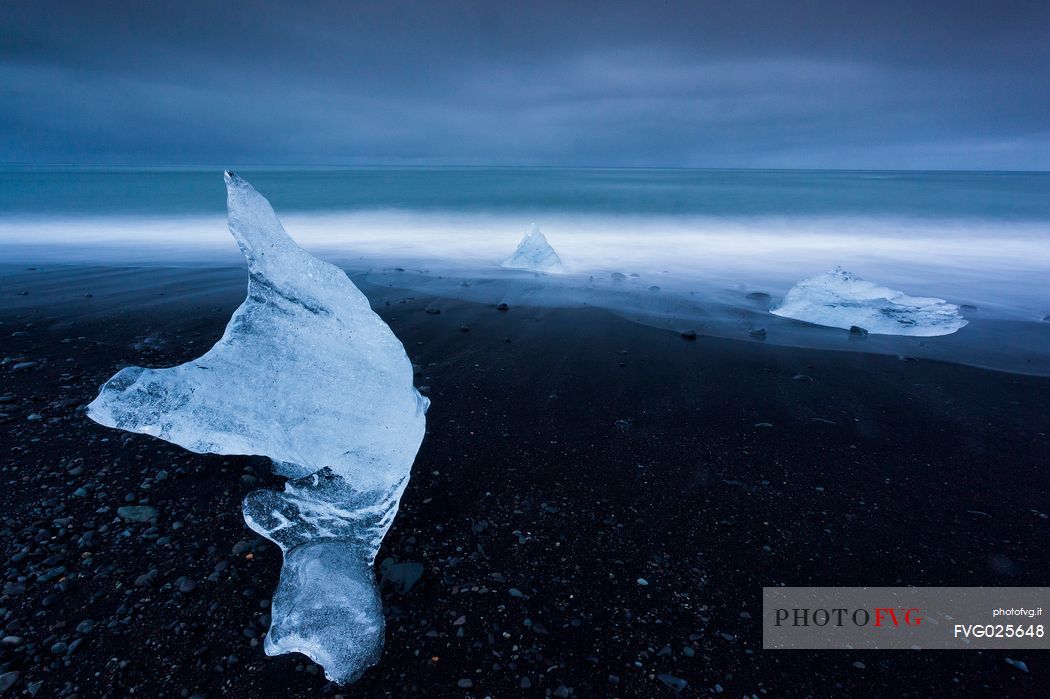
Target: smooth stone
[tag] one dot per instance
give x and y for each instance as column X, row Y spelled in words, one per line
column 8, row 680
column 137, row 513
column 675, row 683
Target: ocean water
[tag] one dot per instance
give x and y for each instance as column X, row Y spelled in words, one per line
column 1005, row 196
column 702, row 238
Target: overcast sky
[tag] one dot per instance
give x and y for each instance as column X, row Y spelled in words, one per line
column 881, row 84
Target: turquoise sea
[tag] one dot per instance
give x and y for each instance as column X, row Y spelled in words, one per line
column 1001, row 196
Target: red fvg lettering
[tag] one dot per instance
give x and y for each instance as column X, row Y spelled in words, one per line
column 908, row 618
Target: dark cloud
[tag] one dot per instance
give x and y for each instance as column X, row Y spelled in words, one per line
column 802, row 84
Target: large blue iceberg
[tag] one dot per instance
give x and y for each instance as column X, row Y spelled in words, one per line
column 307, row 375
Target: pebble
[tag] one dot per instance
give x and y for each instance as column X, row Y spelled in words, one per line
column 1019, row 664
column 8, row 680
column 137, row 513
column 401, row 576
column 675, row 683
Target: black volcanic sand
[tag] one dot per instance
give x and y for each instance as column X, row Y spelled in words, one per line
column 569, row 454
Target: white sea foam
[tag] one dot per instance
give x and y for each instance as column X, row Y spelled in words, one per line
column 749, row 250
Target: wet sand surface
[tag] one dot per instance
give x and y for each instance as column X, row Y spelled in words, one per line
column 597, row 505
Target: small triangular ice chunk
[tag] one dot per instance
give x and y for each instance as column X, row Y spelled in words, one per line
column 535, row 254
column 839, row 299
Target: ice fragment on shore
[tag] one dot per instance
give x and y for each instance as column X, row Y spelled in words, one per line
column 309, row 376
column 535, row 254
column 841, row 300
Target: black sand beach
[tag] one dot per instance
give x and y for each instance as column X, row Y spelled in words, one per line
column 597, row 505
